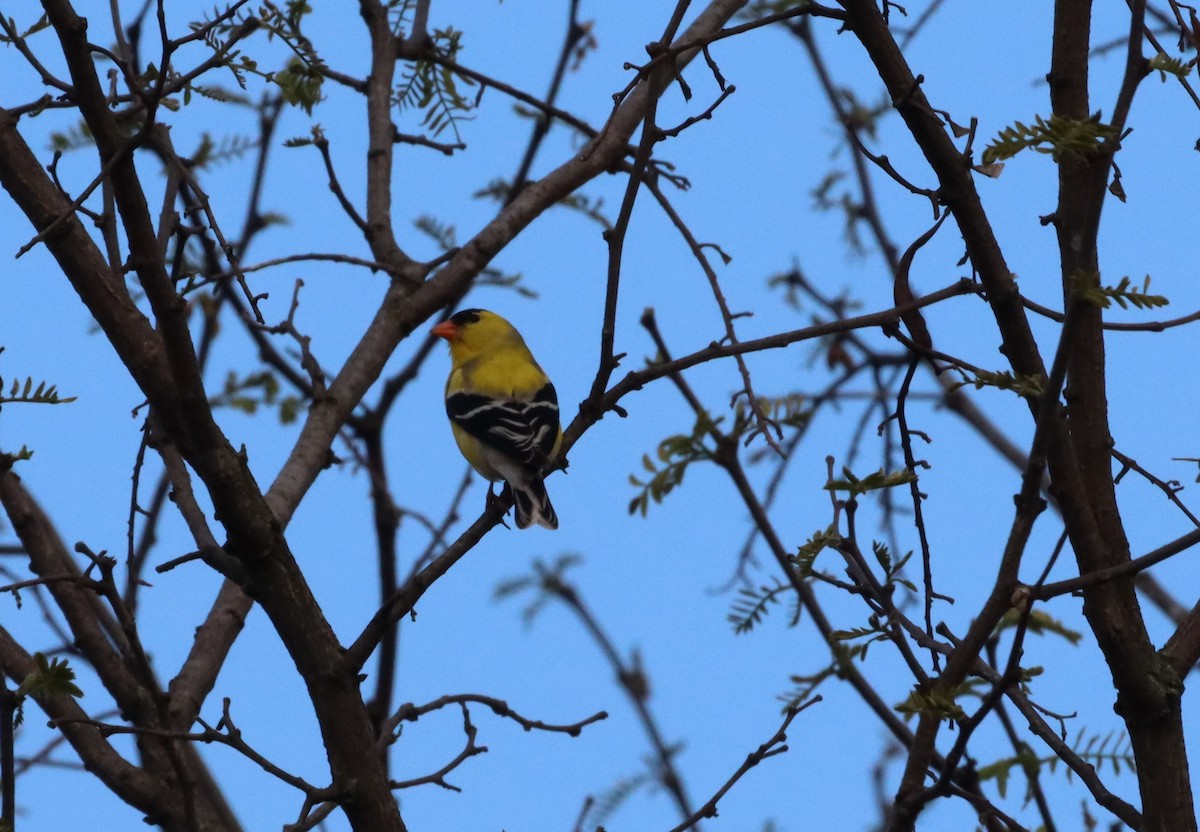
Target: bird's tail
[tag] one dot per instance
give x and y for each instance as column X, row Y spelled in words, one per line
column 533, row 505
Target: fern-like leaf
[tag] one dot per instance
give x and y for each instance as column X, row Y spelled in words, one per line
column 872, row 482
column 28, row 393
column 434, row 90
column 1125, row 294
column 674, row 455
column 1058, row 136
column 1027, row 387
column 753, row 604
column 1168, row 65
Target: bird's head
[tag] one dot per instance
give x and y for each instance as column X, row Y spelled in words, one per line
column 474, row 331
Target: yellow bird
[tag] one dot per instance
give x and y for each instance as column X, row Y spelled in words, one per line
column 502, row 408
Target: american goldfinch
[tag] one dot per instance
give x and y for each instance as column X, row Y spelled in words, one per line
column 502, row 408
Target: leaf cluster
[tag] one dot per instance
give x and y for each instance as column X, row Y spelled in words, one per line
column 1039, row 623
column 48, row 678
column 674, row 455
column 1124, row 293
column 27, row 393
column 892, row 569
column 238, row 64
column 753, row 603
column 210, row 152
column 1028, row 387
column 1058, row 136
column 807, row 554
column 1112, row 749
column 863, row 636
column 872, row 482
column 73, row 138
column 214, row 93
column 1168, row 65
column 434, row 90
column 261, row 389
column 791, row 410
column 300, row 83
column 805, row 686
column 42, row 23
column 8, row 460
column 931, row 702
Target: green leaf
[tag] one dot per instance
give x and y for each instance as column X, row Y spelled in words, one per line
column 1167, row 65
column 435, row 89
column 807, row 554
column 674, row 455
column 753, row 604
column 49, row 677
column 936, row 704
column 1090, row 289
column 1000, row 770
column 1058, row 136
column 246, row 394
column 871, row 482
column 28, row 394
column 1039, row 623
column 300, row 83
column 1028, row 387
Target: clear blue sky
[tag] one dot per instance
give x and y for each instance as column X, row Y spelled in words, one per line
column 654, row 582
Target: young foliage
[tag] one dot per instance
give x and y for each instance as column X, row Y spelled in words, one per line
column 934, row 703
column 1091, row 290
column 805, row 686
column 300, row 82
column 1093, row 749
column 73, row 138
column 42, row 22
column 674, row 455
column 434, row 89
column 864, row 636
column 8, row 460
column 1039, row 623
column 791, row 411
column 49, row 677
column 753, row 603
column 1058, row 136
column 1167, row 65
column 1000, row 770
column 872, row 482
column 1112, row 750
column 892, row 569
column 1026, row 387
column 214, row 93
column 240, row 66
column 210, row 153
column 807, row 554
column 261, row 389
column 27, row 393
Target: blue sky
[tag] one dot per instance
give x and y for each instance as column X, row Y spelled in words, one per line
column 654, row 582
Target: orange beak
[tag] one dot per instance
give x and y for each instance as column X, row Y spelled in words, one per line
column 447, row 330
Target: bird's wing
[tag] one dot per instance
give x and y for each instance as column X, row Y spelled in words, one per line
column 524, row 430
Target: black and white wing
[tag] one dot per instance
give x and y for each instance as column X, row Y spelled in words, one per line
column 526, row 431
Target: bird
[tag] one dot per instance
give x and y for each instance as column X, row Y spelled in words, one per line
column 503, row 409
